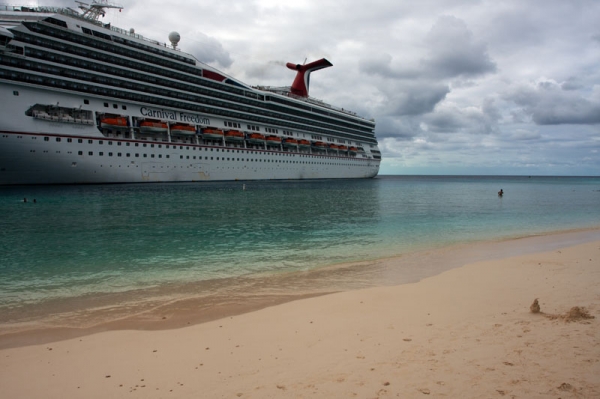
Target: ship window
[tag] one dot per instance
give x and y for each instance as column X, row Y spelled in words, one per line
column 58, row 139
column 137, row 155
column 15, row 93
column 90, row 141
column 181, row 157
column 128, row 155
column 124, row 106
column 100, row 153
column 56, row 22
column 127, row 144
column 100, row 142
column 106, row 105
column 91, row 153
column 145, row 155
column 115, row 106
column 168, row 156
column 118, row 154
column 46, row 138
column 86, row 101
column 80, row 153
column 160, row 155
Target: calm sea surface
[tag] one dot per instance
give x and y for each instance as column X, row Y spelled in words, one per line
column 79, row 241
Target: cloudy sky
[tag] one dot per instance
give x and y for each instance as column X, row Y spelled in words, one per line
column 455, row 86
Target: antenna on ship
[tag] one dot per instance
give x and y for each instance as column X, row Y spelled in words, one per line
column 97, row 9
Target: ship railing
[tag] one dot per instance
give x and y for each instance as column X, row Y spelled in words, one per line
column 75, row 14
column 140, row 37
column 285, row 91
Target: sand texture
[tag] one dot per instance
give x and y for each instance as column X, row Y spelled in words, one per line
column 471, row 332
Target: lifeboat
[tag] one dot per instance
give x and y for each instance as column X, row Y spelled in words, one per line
column 319, row 145
column 180, row 128
column 273, row 140
column 234, row 135
column 343, row 148
column 256, row 138
column 149, row 126
column 290, row 143
column 333, row 147
column 113, row 122
column 212, row 134
column 304, row 143
column 353, row 150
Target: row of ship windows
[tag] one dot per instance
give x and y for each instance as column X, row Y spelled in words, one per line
column 101, row 142
column 105, row 46
column 137, row 155
column 153, row 79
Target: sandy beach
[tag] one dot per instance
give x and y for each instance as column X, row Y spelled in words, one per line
column 468, row 332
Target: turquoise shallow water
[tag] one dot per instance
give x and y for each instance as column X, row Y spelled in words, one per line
column 77, row 241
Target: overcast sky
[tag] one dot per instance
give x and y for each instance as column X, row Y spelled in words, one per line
column 455, row 86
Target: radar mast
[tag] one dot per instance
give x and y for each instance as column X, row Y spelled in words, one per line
column 96, row 9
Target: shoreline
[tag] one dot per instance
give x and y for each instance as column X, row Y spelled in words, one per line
column 262, row 292
column 465, row 332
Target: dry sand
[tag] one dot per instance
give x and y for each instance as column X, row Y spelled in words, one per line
column 466, row 333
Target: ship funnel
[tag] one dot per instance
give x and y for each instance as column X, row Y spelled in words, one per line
column 302, row 81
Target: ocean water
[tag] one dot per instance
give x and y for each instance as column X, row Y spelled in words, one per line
column 80, row 242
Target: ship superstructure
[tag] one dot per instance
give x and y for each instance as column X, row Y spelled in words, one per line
column 87, row 102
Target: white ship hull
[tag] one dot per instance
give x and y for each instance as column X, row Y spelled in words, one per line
column 42, row 151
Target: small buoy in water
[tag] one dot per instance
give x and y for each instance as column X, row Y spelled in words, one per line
column 244, row 187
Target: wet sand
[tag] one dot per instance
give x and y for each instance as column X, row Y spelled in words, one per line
column 467, row 332
column 173, row 305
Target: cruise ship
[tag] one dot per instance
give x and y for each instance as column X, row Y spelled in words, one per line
column 86, row 102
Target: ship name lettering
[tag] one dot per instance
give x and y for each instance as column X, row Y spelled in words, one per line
column 160, row 114
column 198, row 120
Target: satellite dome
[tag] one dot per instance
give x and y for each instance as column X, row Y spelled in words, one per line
column 174, row 38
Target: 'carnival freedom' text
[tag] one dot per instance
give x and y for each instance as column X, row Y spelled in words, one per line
column 174, row 116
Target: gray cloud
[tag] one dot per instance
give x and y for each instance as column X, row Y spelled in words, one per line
column 455, row 52
column 413, row 98
column 548, row 104
column 209, row 50
column 400, row 128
